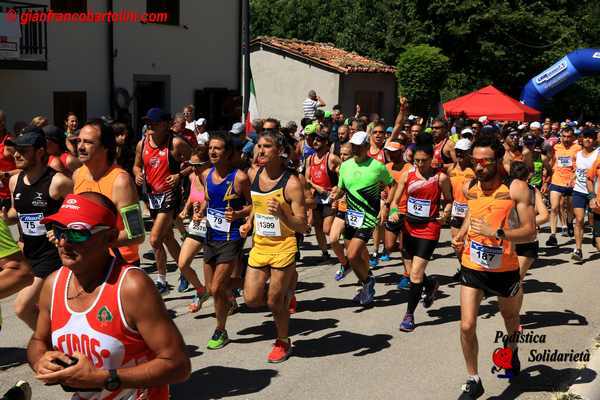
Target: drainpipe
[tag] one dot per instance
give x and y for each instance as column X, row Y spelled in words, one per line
column 246, row 55
column 111, row 62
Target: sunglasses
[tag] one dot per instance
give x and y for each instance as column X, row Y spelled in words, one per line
column 76, row 236
column 378, row 131
column 484, row 162
column 461, row 153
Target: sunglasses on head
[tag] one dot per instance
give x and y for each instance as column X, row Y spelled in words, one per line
column 484, row 162
column 76, row 236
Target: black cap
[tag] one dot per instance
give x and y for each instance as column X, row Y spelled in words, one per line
column 54, row 133
column 31, row 136
column 588, row 132
column 157, row 115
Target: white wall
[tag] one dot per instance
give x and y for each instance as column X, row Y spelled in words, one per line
column 282, row 84
column 76, row 62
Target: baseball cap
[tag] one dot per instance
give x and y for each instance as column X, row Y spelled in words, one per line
column 463, row 144
column 394, row 146
column 327, row 114
column 323, row 135
column 530, row 139
column 31, row 136
column 588, row 132
column 79, row 212
column 466, row 132
column 237, row 128
column 389, row 129
column 483, row 119
column 201, row 121
column 535, row 125
column 359, row 138
column 310, row 129
column 54, row 133
column 155, row 115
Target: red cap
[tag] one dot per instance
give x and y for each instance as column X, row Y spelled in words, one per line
column 78, row 212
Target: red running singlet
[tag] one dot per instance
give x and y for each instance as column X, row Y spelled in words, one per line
column 156, row 166
column 319, row 173
column 379, row 155
column 423, row 197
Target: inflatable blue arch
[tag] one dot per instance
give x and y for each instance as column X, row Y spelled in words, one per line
column 563, row 73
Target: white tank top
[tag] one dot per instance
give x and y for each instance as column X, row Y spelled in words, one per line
column 583, row 164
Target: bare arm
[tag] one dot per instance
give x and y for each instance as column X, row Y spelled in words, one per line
column 10, row 216
column 138, row 165
column 519, row 192
column 60, row 186
column 447, row 191
column 321, row 102
column 297, row 219
column 15, row 274
column 542, row 215
column 400, row 118
column 125, row 194
column 73, row 163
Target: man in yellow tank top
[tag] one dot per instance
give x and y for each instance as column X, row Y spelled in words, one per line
column 498, row 217
column 278, row 212
column 96, row 150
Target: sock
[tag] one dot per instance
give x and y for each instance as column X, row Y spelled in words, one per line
column 475, row 378
column 162, row 278
column 427, row 282
column 414, row 295
column 285, row 339
column 201, row 290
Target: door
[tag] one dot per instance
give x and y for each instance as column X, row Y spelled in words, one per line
column 66, row 102
column 148, row 93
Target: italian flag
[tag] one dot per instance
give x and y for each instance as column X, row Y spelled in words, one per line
column 252, row 107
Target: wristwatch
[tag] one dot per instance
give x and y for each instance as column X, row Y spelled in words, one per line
column 500, row 234
column 591, row 196
column 113, row 382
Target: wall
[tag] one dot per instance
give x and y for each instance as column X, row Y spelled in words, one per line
column 76, row 62
column 386, row 83
column 282, row 84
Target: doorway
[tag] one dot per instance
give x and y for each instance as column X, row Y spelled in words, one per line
column 149, row 91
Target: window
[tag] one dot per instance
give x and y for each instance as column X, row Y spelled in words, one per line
column 370, row 101
column 171, row 7
column 66, row 102
column 68, row 5
column 220, row 106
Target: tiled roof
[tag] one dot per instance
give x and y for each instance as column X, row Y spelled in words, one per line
column 325, row 53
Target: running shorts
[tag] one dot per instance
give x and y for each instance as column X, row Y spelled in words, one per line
column 222, row 251
column 456, row 222
column 165, row 202
column 45, row 265
column 395, row 227
column 341, row 215
column 325, row 210
column 8, row 246
column 362, row 234
column 580, row 200
column 256, row 259
column 529, row 250
column 503, row 284
column 564, row 190
column 419, row 247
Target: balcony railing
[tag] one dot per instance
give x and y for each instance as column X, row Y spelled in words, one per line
column 22, row 46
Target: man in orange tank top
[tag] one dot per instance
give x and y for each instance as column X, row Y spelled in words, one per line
column 102, row 327
column 97, row 149
column 498, row 217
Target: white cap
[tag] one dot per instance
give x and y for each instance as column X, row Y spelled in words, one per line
column 465, row 131
column 535, row 125
column 201, row 121
column 359, row 138
column 522, row 126
column 463, row 144
column 483, row 118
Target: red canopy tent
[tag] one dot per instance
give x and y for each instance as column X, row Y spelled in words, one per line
column 493, row 104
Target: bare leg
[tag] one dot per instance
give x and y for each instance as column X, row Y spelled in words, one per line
column 356, row 255
column 470, row 299
column 277, row 296
column 189, row 249
column 26, row 303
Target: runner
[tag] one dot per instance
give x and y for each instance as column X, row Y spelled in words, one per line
column 157, row 166
column 498, row 217
column 343, row 135
column 540, row 165
column 459, row 173
column 585, row 159
column 59, row 158
column 424, row 188
column 561, row 186
column 37, row 191
column 339, row 222
column 443, row 148
column 322, row 177
column 227, row 193
column 593, row 187
column 377, row 152
column 7, row 164
column 361, row 179
column 100, row 317
column 278, row 211
column 196, row 234
column 97, row 151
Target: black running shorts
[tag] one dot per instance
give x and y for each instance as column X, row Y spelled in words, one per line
column 503, row 284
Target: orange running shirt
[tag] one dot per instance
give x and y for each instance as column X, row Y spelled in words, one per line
column 458, row 177
column 593, row 174
column 564, row 164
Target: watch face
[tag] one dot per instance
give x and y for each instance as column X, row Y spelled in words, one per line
column 113, row 384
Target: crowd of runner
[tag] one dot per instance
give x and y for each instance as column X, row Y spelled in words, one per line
column 79, row 195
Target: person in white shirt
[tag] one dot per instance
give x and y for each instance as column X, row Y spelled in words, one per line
column 310, row 105
column 188, row 114
column 201, row 135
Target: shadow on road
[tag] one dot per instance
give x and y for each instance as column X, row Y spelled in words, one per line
column 324, row 304
column 535, row 286
column 303, row 287
column 448, row 314
column 192, row 350
column 11, row 357
column 216, row 382
column 341, row 342
column 545, row 319
column 542, row 378
column 298, row 326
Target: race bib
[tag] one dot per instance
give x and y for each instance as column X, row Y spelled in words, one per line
column 418, row 207
column 459, row 210
column 197, row 228
column 267, row 225
column 489, row 257
column 156, row 200
column 355, row 218
column 217, row 221
column 581, row 176
column 30, row 224
column 565, row 162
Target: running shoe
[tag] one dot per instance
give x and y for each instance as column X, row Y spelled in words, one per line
column 292, row 305
column 408, row 323
column 368, row 292
column 281, row 351
column 552, row 242
column 570, row 230
column 199, row 299
column 233, row 306
column 218, row 340
column 163, row 288
column 149, row 255
column 183, row 284
column 237, row 292
column 404, row 283
column 373, row 262
column 472, row 389
column 577, row 255
column 429, row 294
column 324, row 257
column 358, row 295
column 515, row 363
column 564, row 232
column 21, row 391
column 342, row 272
column 384, row 257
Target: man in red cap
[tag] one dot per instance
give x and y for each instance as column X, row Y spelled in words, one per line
column 109, row 330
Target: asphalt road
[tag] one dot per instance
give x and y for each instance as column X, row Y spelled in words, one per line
column 348, row 352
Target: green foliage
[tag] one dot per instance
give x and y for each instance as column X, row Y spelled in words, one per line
column 500, row 42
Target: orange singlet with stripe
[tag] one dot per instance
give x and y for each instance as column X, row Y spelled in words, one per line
column 497, row 209
column 458, row 177
column 564, row 164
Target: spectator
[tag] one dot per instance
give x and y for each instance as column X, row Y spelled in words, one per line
column 188, row 114
column 311, row 104
column 40, row 121
column 202, row 135
column 179, row 127
column 124, row 153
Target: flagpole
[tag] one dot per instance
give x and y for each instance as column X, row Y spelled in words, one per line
column 246, row 56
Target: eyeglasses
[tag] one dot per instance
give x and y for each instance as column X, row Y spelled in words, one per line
column 76, row 236
column 484, row 162
column 420, row 160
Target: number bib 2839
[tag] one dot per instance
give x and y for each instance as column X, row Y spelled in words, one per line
column 217, row 221
column 267, row 225
column 565, row 162
column 355, row 218
column 197, row 228
column 459, row 210
column 30, row 224
column 418, row 207
column 489, row 257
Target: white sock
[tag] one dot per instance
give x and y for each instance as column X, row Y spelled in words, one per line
column 475, row 378
column 162, row 278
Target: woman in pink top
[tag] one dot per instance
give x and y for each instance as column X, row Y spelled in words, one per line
column 196, row 231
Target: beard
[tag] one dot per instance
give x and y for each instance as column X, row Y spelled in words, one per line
column 486, row 175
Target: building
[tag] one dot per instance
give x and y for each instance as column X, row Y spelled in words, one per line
column 50, row 68
column 284, row 70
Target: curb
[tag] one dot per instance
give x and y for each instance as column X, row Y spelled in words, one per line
column 589, row 390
